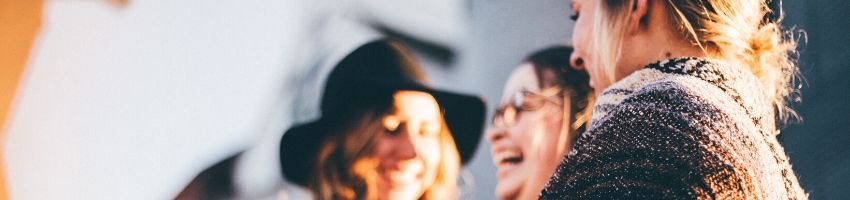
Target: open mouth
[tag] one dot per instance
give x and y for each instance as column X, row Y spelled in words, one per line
column 507, row 158
column 399, row 175
column 397, row 178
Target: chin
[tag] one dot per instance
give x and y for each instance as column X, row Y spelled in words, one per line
column 403, row 193
column 506, row 192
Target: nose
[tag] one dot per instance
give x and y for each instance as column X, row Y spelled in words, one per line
column 495, row 134
column 405, row 146
column 576, row 61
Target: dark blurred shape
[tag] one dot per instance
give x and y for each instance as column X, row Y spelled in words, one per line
column 443, row 55
column 215, row 182
column 819, row 145
column 775, row 13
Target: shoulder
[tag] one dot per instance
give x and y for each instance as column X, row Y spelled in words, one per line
column 673, row 110
column 691, row 84
column 667, row 108
column 650, row 96
column 679, row 129
column 664, row 138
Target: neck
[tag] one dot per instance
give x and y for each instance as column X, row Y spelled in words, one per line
column 680, row 50
column 663, row 48
column 660, row 34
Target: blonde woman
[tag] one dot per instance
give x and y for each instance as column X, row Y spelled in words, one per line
column 544, row 107
column 382, row 133
column 689, row 95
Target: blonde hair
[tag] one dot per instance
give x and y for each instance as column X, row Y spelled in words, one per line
column 585, row 112
column 345, row 170
column 731, row 30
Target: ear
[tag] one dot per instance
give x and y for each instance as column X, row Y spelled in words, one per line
column 639, row 11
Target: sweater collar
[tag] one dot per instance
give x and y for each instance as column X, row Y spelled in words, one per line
column 733, row 81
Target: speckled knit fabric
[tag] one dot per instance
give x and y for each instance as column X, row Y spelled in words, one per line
column 684, row 128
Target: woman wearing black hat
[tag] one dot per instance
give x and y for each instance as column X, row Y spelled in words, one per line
column 383, row 134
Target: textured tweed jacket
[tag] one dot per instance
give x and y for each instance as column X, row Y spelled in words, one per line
column 683, row 128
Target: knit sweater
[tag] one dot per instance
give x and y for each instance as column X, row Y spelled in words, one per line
column 685, row 128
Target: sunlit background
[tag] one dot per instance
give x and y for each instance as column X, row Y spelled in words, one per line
column 131, row 99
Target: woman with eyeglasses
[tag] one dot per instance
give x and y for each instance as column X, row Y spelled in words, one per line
column 541, row 113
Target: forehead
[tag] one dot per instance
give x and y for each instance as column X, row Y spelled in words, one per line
column 407, row 102
column 523, row 77
column 580, row 3
column 575, row 2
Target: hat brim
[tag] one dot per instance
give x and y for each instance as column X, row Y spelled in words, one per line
column 298, row 148
column 464, row 115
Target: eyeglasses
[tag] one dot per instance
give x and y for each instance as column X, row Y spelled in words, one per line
column 506, row 115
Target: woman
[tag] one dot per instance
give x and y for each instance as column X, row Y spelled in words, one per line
column 690, row 93
column 383, row 134
column 542, row 111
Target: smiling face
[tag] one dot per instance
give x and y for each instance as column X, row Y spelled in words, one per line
column 527, row 152
column 408, row 150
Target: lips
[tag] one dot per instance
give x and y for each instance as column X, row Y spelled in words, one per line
column 398, row 175
column 507, row 157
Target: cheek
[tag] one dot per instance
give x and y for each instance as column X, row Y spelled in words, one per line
column 581, row 34
column 551, row 140
column 553, row 119
column 430, row 152
column 532, row 134
column 523, row 131
column 582, row 38
column 583, row 29
column 541, row 141
column 382, row 148
column 598, row 77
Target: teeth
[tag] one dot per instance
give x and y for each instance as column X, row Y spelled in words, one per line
column 501, row 156
column 401, row 175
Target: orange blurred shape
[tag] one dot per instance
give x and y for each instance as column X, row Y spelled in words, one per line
column 119, row 3
column 20, row 21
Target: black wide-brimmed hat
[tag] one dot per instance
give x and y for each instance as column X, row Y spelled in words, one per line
column 365, row 80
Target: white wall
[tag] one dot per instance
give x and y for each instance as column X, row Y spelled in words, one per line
column 129, row 103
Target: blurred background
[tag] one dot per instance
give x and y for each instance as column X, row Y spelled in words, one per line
column 123, row 99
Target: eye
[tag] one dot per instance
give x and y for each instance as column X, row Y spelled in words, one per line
column 429, row 129
column 391, row 125
column 527, row 101
column 574, row 10
column 520, row 99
